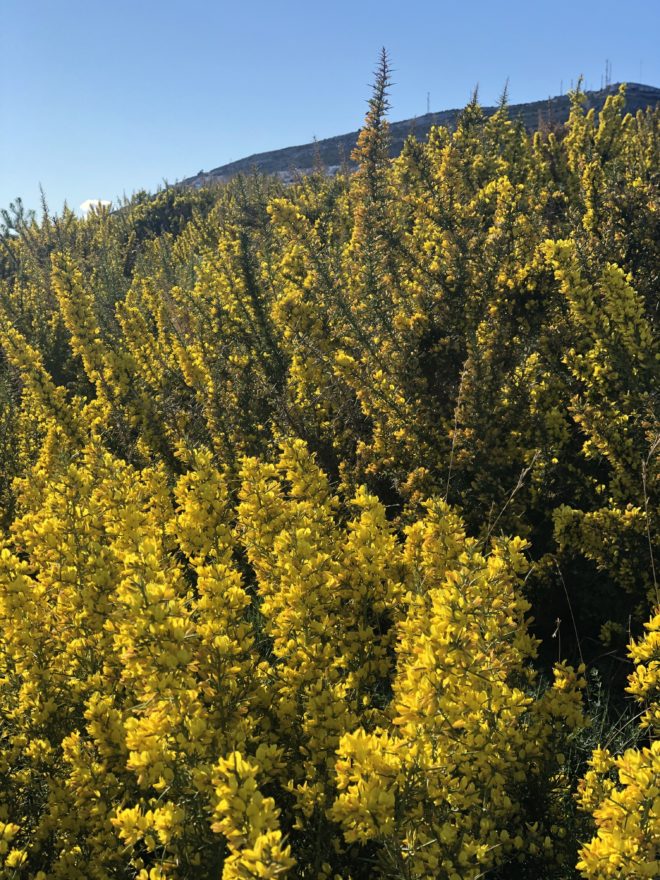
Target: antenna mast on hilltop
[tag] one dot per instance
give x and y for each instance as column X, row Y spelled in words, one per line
column 608, row 73
column 428, row 102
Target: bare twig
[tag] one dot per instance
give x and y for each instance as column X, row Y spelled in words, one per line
column 557, row 635
column 516, row 488
column 570, row 608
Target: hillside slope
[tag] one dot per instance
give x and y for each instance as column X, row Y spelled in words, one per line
column 332, row 152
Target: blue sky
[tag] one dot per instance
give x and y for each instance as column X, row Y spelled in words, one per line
column 103, row 97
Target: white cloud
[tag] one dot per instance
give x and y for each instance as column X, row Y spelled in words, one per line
column 87, row 206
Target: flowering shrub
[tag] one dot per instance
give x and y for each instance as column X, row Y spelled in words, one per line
column 260, row 447
column 160, row 704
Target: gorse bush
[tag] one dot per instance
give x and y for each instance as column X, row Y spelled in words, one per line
column 163, row 709
column 260, row 451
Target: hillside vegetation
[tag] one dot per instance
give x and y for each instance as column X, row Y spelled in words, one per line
column 330, row 517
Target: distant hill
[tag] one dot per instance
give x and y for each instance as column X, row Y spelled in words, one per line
column 332, row 152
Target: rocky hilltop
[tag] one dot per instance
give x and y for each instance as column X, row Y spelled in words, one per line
column 332, row 152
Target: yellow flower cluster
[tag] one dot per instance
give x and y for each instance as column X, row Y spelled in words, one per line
column 249, row 822
column 644, row 683
column 623, row 792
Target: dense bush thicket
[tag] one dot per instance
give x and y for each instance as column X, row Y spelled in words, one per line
column 260, row 447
